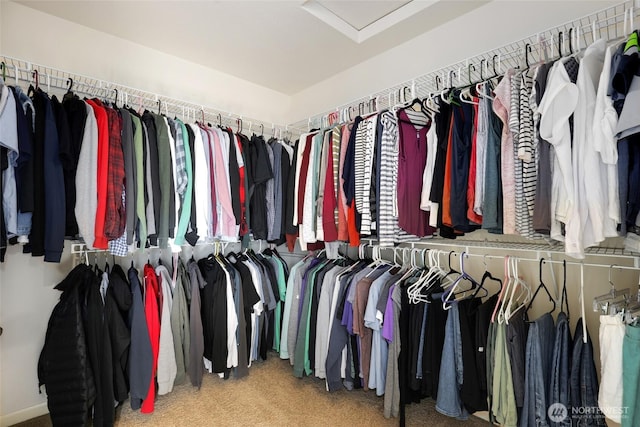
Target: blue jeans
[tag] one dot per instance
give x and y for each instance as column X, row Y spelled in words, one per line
column 449, row 402
column 538, row 368
column 560, row 369
column 584, row 383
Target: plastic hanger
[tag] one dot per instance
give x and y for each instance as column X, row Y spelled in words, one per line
column 497, row 314
column 522, row 298
column 448, row 277
column 543, row 287
column 449, row 296
column 429, row 278
column 564, row 301
column 486, row 276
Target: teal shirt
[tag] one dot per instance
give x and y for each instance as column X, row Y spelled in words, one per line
column 302, row 364
column 318, row 141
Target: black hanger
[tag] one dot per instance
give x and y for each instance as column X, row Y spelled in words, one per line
column 239, row 123
column 527, row 50
column 563, row 299
column 471, row 66
column 115, row 101
column 451, row 269
column 560, row 39
column 219, row 120
column 493, row 60
column 159, row 105
column 3, row 66
column 543, row 287
column 487, row 276
column 571, row 40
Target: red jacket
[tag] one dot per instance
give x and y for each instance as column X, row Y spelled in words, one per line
column 152, row 304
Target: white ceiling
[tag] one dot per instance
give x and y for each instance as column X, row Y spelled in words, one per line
column 276, row 44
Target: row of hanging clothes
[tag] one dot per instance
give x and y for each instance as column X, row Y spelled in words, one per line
column 619, row 338
column 411, row 331
column 543, row 150
column 122, row 178
column 116, row 335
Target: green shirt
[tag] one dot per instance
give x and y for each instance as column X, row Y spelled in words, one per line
column 138, row 143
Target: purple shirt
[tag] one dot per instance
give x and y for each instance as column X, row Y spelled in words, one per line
column 387, row 324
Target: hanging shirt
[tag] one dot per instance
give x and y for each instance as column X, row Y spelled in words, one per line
column 9, row 140
column 343, row 232
column 201, row 184
column 412, row 157
column 501, row 106
column 482, row 125
column 186, row 196
column 167, row 367
column 102, row 172
column 557, row 105
column 86, row 189
column 604, row 125
column 591, row 225
column 115, row 215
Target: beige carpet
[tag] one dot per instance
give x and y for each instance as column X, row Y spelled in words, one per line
column 272, row 396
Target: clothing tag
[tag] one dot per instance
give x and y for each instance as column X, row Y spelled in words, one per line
column 481, row 349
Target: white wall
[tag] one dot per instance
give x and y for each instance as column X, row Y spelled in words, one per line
column 48, row 40
column 488, row 27
column 26, row 300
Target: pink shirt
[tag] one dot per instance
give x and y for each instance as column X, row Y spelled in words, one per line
column 501, row 106
column 343, row 208
column 226, row 217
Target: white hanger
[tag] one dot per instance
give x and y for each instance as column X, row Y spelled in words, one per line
column 584, row 319
column 505, row 291
column 524, row 293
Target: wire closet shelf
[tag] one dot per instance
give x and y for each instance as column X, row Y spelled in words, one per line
column 610, row 23
column 23, row 72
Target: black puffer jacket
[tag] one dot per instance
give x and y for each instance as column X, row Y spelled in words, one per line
column 63, row 367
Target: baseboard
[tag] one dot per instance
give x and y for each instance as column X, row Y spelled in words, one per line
column 23, row 415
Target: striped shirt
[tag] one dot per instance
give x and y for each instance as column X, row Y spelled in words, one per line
column 335, row 148
column 359, row 149
column 367, row 160
column 514, row 126
column 389, row 232
column 527, row 147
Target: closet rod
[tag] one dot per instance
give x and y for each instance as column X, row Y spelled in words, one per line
column 555, row 261
column 467, row 245
column 502, row 257
column 609, row 23
column 20, row 71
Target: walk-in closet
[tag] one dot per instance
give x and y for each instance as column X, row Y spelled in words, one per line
column 311, row 212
